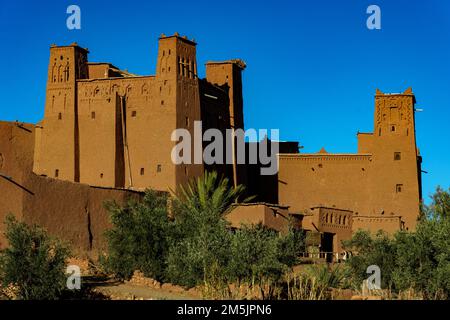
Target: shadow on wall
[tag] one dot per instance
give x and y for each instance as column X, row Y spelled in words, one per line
column 73, row 212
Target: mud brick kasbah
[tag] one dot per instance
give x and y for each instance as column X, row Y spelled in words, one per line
column 106, row 136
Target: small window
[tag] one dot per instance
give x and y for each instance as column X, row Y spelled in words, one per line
column 101, row 175
column 398, row 188
column 162, row 102
column 320, row 165
column 158, row 168
column 56, row 173
column 93, row 115
column 59, row 116
column 187, row 121
column 186, row 170
column 392, row 128
column 133, row 113
column 142, row 171
column 397, row 156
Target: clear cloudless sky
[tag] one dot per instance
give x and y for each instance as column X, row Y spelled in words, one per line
column 312, row 66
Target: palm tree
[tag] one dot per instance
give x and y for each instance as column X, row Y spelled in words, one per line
column 209, row 194
column 199, row 209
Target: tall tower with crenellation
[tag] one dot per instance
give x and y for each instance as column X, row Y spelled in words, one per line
column 395, row 178
column 177, row 73
column 56, row 149
column 228, row 74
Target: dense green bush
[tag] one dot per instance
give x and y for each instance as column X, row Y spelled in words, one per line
column 419, row 260
column 34, row 264
column 378, row 249
column 258, row 253
column 291, row 245
column 423, row 259
column 201, row 236
column 198, row 243
column 139, row 237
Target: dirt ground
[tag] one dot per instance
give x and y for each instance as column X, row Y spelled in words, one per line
column 137, row 288
column 125, row 291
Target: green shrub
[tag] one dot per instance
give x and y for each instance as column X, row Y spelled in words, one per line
column 423, row 259
column 368, row 250
column 255, row 255
column 190, row 258
column 198, row 245
column 291, row 245
column 33, row 263
column 201, row 236
column 418, row 260
column 139, row 237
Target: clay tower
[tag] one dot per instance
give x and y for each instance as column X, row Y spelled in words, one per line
column 57, row 135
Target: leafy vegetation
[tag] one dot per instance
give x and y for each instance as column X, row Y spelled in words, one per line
column 198, row 245
column 200, row 232
column 417, row 260
column 139, row 237
column 316, row 282
column 33, row 266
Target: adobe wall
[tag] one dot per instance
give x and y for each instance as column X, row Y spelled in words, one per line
column 71, row 211
column 16, row 156
column 120, row 121
column 331, row 220
column 214, row 103
column 150, row 120
column 98, row 70
column 373, row 224
column 228, row 75
column 340, row 181
column 272, row 217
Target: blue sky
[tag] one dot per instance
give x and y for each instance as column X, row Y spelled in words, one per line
column 312, row 66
